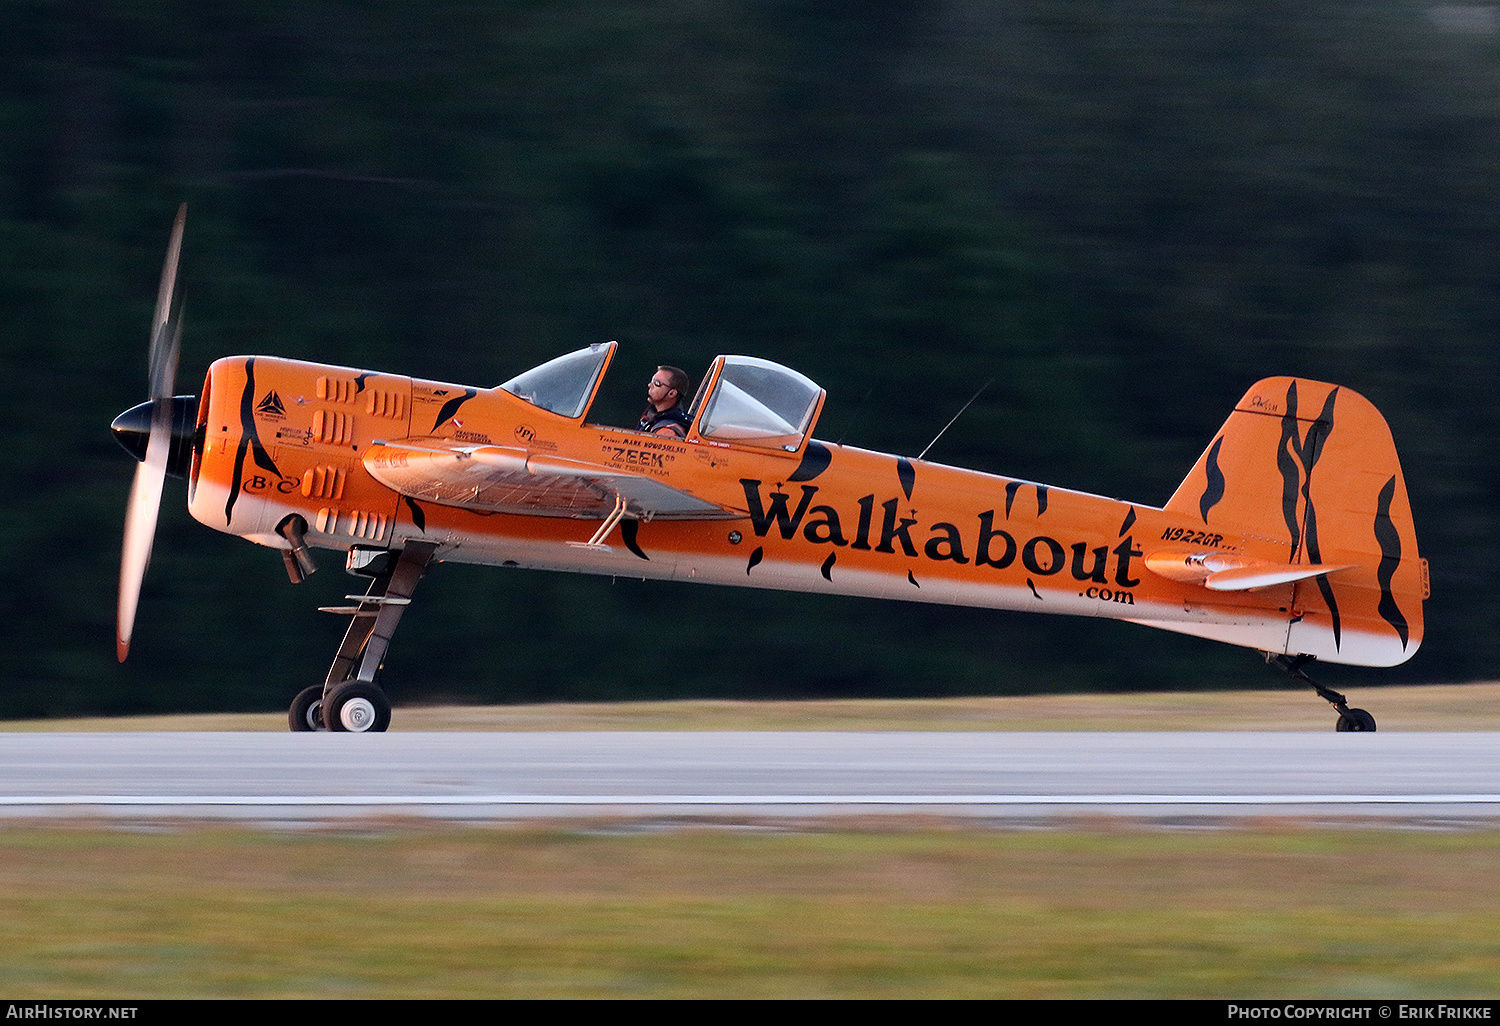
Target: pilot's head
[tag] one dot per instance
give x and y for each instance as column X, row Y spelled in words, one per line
column 667, row 388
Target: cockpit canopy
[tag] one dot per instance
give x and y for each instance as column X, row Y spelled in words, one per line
column 743, row 400
column 565, row 385
column 757, row 402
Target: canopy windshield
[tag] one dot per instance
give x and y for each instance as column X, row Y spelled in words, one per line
column 564, row 385
column 758, row 402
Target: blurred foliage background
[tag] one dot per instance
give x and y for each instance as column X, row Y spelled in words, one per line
column 1122, row 211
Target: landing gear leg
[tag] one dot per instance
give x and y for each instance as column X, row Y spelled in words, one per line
column 349, row 699
column 1349, row 719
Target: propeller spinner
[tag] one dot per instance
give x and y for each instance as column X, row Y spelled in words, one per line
column 163, row 410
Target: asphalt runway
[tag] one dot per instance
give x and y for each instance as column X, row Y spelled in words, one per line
column 651, row 775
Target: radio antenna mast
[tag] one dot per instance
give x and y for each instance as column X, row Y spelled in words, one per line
column 960, row 413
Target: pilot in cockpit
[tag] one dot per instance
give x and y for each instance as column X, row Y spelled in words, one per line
column 664, row 413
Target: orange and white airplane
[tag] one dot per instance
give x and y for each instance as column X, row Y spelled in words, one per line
column 1292, row 535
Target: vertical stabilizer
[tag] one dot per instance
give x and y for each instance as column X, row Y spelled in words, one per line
column 1307, row 473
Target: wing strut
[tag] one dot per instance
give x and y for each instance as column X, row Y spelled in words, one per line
column 597, row 541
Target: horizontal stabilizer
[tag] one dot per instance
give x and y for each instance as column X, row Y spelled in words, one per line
column 1245, row 578
column 1218, row 572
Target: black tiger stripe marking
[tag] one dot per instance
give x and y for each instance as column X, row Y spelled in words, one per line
column 907, row 474
column 249, row 442
column 418, row 517
column 815, row 460
column 1215, row 488
column 1295, row 458
column 451, row 407
column 629, row 532
column 1390, row 559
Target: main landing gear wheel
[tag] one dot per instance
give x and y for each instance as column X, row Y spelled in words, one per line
column 357, row 707
column 1355, row 719
column 306, row 712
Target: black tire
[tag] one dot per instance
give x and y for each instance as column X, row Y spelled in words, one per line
column 306, row 712
column 357, row 706
column 1355, row 720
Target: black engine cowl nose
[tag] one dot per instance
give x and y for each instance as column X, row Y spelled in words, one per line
column 132, row 430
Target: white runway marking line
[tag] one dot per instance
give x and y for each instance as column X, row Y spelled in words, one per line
column 34, row 801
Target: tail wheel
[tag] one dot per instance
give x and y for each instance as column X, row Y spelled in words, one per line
column 358, row 707
column 1355, row 719
column 1349, row 719
column 306, row 712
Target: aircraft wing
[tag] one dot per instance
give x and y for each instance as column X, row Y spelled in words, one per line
column 499, row 479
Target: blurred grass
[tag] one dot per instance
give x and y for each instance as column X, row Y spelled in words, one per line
column 1440, row 707
column 400, row 910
